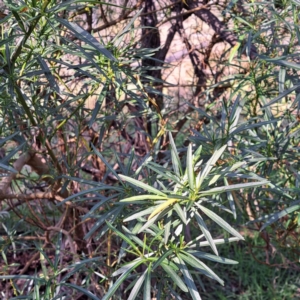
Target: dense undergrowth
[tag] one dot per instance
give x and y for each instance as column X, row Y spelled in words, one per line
column 117, row 201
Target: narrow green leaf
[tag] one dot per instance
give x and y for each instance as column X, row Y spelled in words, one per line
column 233, row 51
column 176, row 163
column 147, row 284
column 81, row 289
column 282, row 62
column 135, row 239
column 5, row 160
column 164, row 172
column 198, row 264
column 84, row 192
column 226, row 171
column 84, row 36
column 123, row 237
column 282, row 95
column 197, row 155
column 119, row 37
column 190, row 168
column 100, row 221
column 153, row 220
column 123, row 277
column 144, row 186
column 281, row 79
column 235, row 113
column 162, row 258
column 278, row 215
column 139, row 214
column 68, row 4
column 162, row 207
column 6, row 168
column 48, row 75
column 220, row 241
column 105, row 162
column 247, row 126
column 125, row 267
column 177, row 280
column 209, row 165
column 230, row 199
column 167, row 226
column 129, row 162
column 188, row 280
column 232, row 187
column 143, row 198
column 206, row 232
column 220, row 221
column 98, row 104
column 137, row 286
column 58, row 247
column 212, row 257
column 22, row 277
column 181, row 213
column 8, row 138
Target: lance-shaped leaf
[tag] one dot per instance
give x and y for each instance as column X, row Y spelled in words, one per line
column 198, row 264
column 81, row 290
column 226, row 171
column 209, row 165
column 48, row 75
column 135, row 239
column 125, row 267
column 167, row 227
column 147, row 285
column 162, row 258
column 162, row 207
column 212, row 257
column 139, row 214
column 272, row 218
column 124, row 237
column 123, row 277
column 7, row 168
column 177, row 280
column 143, row 198
column 137, row 286
column 190, row 167
column 233, row 187
column 206, row 232
column 120, row 36
column 109, row 215
column 188, row 279
column 176, row 163
column 180, row 213
column 196, row 243
column 153, row 220
column 219, row 221
column 230, row 199
column 84, row 36
column 144, row 186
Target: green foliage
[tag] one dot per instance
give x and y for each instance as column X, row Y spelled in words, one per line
column 152, row 221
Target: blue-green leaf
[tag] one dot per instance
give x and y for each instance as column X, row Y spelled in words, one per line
column 84, row 36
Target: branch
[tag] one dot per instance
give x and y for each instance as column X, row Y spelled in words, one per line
column 188, row 12
column 217, row 25
column 38, row 195
column 121, row 18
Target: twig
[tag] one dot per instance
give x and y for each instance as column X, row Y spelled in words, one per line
column 67, row 234
column 188, row 12
column 34, row 257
